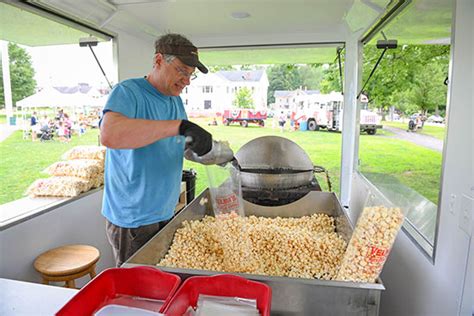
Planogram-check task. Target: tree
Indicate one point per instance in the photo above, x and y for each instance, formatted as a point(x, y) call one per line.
point(291, 77)
point(311, 76)
point(399, 70)
point(243, 99)
point(217, 68)
point(400, 77)
point(429, 91)
point(331, 79)
point(22, 74)
point(247, 67)
point(281, 77)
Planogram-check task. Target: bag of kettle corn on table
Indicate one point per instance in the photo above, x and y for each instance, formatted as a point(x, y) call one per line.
point(83, 168)
point(58, 187)
point(85, 152)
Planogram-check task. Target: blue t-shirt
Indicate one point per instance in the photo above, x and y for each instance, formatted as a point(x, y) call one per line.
point(142, 185)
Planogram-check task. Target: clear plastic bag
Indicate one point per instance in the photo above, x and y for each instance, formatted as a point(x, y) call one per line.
point(371, 242)
point(225, 190)
point(226, 197)
point(220, 305)
point(59, 187)
point(82, 168)
point(85, 152)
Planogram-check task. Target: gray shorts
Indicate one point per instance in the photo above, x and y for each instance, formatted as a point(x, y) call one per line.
point(126, 241)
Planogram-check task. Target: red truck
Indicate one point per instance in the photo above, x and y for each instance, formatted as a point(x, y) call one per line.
point(244, 117)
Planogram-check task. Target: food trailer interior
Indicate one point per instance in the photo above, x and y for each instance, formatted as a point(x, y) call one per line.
point(423, 276)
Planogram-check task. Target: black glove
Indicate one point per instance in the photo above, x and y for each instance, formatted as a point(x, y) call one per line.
point(200, 140)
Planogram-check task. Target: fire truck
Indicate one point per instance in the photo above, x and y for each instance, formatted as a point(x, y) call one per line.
point(244, 117)
point(328, 114)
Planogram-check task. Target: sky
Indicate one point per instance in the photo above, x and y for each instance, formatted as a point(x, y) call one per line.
point(68, 65)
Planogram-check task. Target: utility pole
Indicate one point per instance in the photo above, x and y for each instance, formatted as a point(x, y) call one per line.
point(7, 89)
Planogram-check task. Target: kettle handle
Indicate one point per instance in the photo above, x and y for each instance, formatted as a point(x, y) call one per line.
point(319, 169)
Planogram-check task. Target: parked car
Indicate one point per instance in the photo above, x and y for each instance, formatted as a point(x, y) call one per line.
point(436, 119)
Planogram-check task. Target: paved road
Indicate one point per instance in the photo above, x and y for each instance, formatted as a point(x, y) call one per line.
point(419, 139)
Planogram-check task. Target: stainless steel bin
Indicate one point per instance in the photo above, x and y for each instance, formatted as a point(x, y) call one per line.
point(290, 296)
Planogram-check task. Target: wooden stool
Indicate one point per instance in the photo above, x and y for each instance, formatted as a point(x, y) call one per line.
point(67, 263)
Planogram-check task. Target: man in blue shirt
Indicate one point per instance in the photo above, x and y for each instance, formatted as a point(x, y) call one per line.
point(144, 127)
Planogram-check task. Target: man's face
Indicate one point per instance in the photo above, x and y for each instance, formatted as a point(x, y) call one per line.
point(174, 77)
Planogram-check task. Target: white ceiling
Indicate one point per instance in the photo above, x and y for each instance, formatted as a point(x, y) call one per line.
point(210, 23)
point(207, 20)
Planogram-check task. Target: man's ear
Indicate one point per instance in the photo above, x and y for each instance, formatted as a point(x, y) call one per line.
point(158, 60)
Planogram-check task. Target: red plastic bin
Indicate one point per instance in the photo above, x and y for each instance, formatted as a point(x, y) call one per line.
point(221, 285)
point(146, 283)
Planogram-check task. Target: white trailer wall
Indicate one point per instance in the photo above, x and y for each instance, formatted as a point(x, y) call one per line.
point(77, 222)
point(134, 56)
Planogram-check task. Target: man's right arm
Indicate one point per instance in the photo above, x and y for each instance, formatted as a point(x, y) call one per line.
point(120, 132)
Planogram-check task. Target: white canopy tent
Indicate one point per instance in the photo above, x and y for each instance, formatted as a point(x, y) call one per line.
point(74, 103)
point(51, 97)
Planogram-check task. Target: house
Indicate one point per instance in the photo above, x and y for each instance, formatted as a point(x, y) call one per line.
point(215, 92)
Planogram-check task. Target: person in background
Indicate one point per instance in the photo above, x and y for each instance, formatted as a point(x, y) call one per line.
point(35, 126)
point(62, 131)
point(419, 122)
point(33, 119)
point(44, 122)
point(79, 127)
point(67, 125)
point(75, 129)
point(99, 114)
point(423, 120)
point(82, 128)
point(43, 126)
point(282, 121)
point(55, 124)
point(213, 122)
point(145, 129)
point(292, 121)
point(60, 114)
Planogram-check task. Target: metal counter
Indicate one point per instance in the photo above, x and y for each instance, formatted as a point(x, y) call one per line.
point(290, 296)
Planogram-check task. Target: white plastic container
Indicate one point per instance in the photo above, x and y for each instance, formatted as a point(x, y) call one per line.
point(120, 310)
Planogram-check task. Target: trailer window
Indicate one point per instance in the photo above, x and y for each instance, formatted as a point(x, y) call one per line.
point(408, 93)
point(47, 72)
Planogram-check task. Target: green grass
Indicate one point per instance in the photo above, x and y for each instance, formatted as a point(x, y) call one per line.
point(419, 168)
point(415, 166)
point(22, 161)
point(434, 131)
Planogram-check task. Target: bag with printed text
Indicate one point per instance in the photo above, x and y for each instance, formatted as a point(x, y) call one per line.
point(371, 242)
